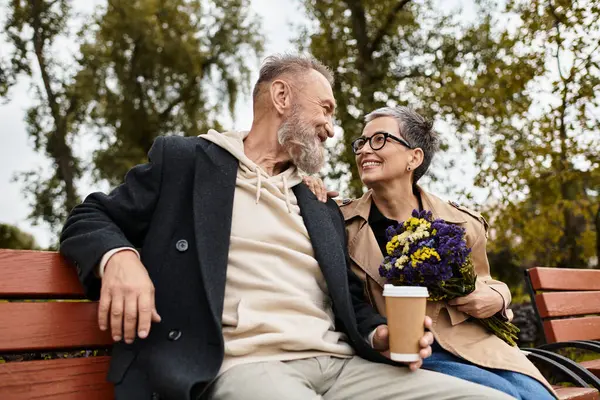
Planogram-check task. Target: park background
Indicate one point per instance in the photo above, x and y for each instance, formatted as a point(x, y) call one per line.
point(85, 87)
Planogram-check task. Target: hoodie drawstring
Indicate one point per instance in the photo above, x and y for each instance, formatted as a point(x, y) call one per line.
point(258, 183)
point(286, 192)
point(286, 189)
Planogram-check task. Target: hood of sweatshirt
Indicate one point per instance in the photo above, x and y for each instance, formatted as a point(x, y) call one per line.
point(249, 172)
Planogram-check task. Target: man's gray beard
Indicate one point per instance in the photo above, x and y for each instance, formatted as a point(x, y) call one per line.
point(299, 140)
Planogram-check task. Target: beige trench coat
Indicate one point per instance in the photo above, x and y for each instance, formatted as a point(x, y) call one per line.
point(451, 328)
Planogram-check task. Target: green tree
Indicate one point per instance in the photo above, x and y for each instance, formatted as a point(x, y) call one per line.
point(545, 166)
point(144, 68)
point(161, 68)
point(12, 237)
point(31, 29)
point(390, 52)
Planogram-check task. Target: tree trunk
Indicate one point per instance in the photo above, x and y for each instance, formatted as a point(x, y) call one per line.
point(597, 224)
point(57, 147)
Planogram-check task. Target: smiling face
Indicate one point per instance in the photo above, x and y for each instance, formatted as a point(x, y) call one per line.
point(309, 123)
point(388, 163)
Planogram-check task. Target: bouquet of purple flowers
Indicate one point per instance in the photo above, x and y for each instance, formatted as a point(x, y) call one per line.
point(433, 253)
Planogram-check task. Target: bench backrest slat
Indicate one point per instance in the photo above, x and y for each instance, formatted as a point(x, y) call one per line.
point(61, 379)
point(42, 309)
point(562, 330)
point(567, 300)
point(564, 279)
point(45, 326)
point(37, 274)
point(563, 304)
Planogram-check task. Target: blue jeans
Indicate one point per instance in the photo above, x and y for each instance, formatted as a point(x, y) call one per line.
point(519, 386)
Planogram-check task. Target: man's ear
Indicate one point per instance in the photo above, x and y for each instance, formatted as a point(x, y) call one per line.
point(281, 95)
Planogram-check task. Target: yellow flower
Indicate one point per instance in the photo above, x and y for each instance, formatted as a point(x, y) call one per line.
point(423, 254)
point(391, 245)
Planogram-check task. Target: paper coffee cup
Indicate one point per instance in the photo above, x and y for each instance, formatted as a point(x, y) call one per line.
point(405, 307)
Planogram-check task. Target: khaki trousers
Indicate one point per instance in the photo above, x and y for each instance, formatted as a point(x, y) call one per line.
point(333, 378)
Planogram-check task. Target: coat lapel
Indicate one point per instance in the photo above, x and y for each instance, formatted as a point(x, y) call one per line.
point(326, 242)
point(364, 251)
point(214, 188)
point(363, 248)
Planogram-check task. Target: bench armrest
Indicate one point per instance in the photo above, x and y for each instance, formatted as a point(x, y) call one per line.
point(590, 345)
point(582, 373)
point(565, 373)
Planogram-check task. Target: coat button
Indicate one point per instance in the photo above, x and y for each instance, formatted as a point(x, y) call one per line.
point(181, 245)
point(174, 335)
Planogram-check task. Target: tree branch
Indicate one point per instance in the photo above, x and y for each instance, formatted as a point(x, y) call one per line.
point(185, 91)
point(387, 25)
point(414, 73)
point(359, 26)
point(38, 45)
point(557, 22)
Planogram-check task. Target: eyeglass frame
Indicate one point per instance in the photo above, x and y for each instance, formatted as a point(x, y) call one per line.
point(386, 136)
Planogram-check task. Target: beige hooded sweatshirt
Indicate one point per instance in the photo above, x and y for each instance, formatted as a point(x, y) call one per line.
point(277, 305)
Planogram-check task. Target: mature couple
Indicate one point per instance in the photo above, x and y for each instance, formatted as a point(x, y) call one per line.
point(222, 276)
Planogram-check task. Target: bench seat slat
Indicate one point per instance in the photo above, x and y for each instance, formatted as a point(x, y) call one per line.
point(561, 304)
point(561, 279)
point(45, 326)
point(593, 366)
point(39, 274)
point(63, 379)
point(576, 393)
point(563, 330)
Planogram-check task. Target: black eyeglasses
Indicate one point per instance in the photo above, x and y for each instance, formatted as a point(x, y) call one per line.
point(377, 141)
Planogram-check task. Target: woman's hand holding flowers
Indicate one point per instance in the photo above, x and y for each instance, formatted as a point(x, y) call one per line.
point(483, 302)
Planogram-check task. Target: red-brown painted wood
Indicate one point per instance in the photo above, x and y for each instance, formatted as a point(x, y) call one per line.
point(576, 393)
point(564, 279)
point(47, 274)
point(63, 379)
point(563, 304)
point(55, 325)
point(561, 330)
point(593, 366)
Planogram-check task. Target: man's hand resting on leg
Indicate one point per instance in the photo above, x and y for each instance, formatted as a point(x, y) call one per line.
point(126, 298)
point(381, 342)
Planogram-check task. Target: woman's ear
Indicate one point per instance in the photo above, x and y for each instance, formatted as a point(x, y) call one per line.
point(416, 158)
point(281, 96)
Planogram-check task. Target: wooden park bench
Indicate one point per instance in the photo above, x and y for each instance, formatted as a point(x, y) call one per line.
point(67, 323)
point(567, 305)
point(30, 326)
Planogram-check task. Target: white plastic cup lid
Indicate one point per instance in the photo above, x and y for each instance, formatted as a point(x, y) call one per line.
point(405, 291)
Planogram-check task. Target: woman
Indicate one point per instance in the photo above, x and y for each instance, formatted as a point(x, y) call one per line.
point(393, 153)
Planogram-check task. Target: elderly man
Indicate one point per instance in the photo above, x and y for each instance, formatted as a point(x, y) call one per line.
point(245, 267)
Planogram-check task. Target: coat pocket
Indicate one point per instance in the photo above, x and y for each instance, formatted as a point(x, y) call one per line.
point(121, 360)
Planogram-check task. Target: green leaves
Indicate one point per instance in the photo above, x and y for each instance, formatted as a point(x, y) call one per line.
point(549, 178)
point(12, 237)
point(144, 68)
point(408, 53)
point(153, 64)
point(519, 86)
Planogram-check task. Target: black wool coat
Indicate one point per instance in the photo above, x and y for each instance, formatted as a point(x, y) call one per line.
point(177, 210)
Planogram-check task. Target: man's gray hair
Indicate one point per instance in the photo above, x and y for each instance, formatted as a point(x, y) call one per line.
point(415, 129)
point(276, 65)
